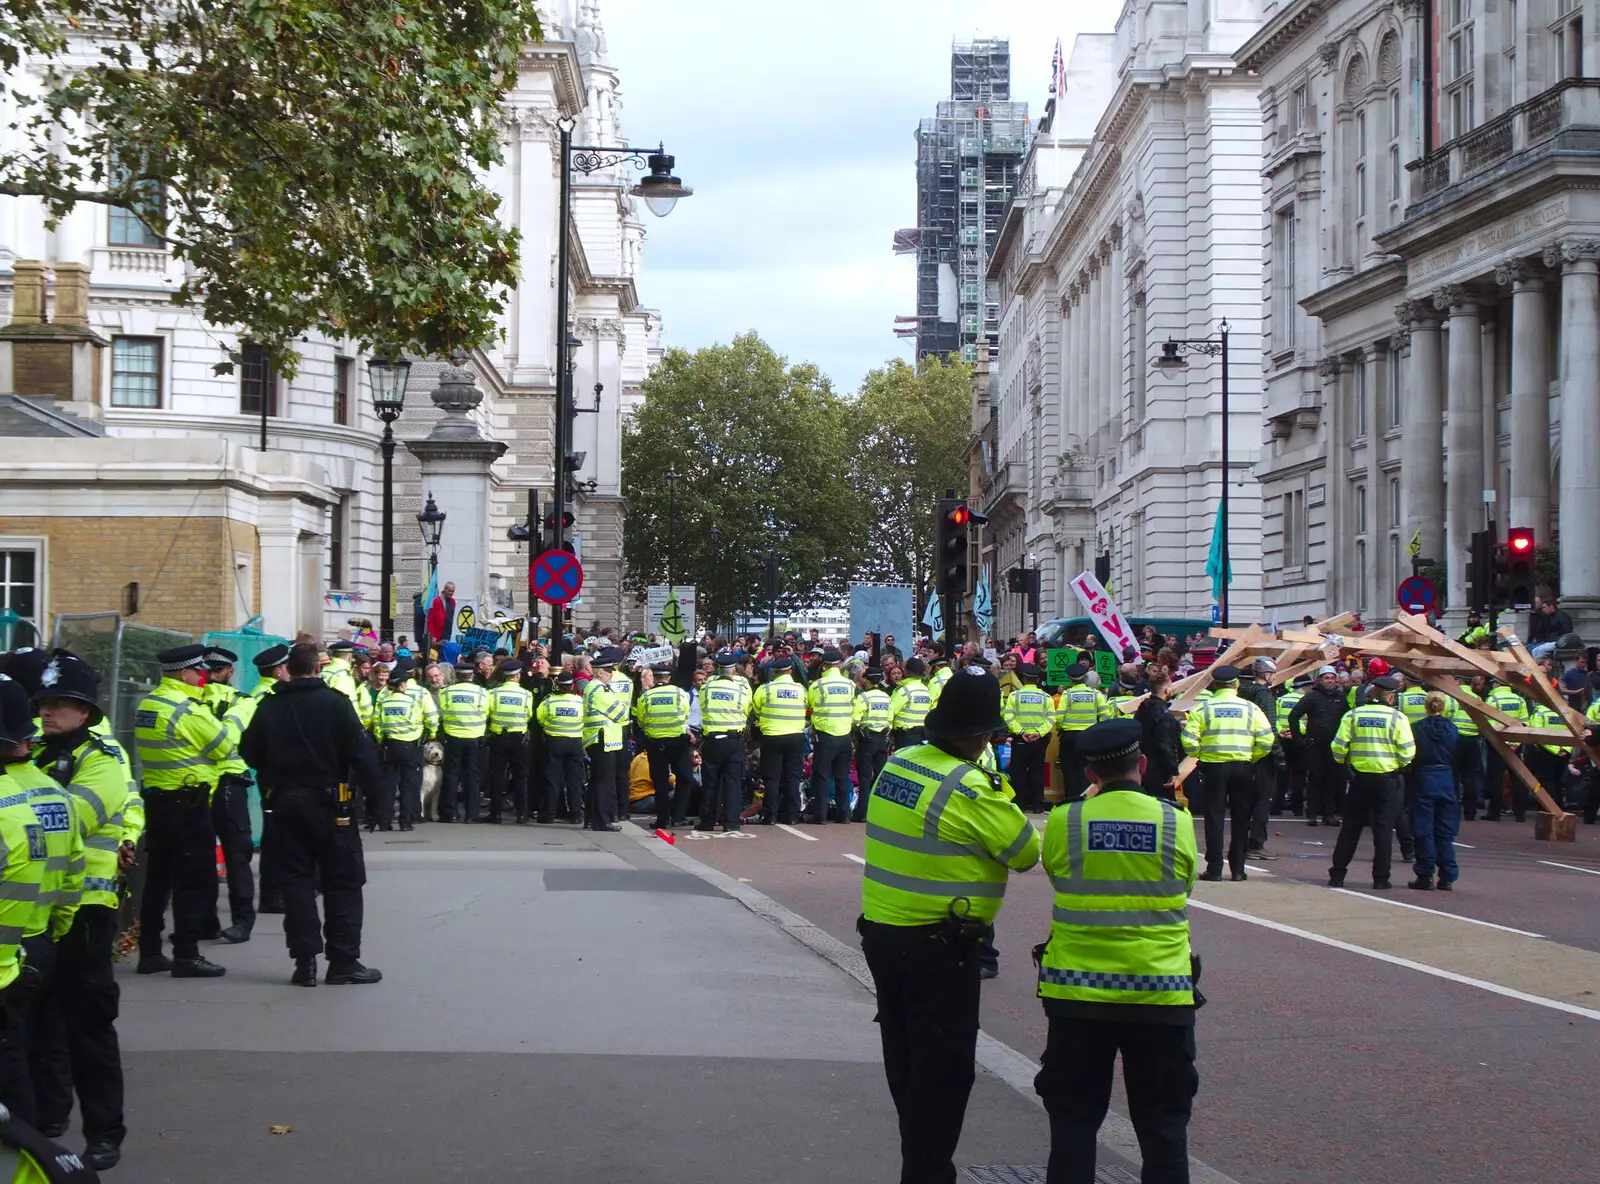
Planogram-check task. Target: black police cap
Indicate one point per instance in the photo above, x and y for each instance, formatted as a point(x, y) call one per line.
point(271, 658)
point(1109, 740)
point(16, 712)
point(968, 706)
point(1385, 683)
point(1077, 672)
point(182, 657)
point(1224, 674)
point(217, 657)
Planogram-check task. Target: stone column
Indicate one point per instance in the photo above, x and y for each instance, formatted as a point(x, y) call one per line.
point(455, 473)
point(1339, 530)
point(1530, 398)
point(1580, 433)
point(1093, 401)
point(1078, 413)
point(1422, 431)
point(1464, 514)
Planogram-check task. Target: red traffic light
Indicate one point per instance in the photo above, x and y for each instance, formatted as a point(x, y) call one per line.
point(960, 516)
point(1520, 540)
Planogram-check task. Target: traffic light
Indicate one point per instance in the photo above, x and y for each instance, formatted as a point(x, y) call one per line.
point(1102, 568)
point(951, 520)
point(1519, 567)
point(567, 519)
point(1480, 575)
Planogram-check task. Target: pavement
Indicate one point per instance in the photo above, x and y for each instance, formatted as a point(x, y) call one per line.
point(557, 1005)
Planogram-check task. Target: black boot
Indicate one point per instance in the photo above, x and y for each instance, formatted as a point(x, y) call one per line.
point(1423, 883)
point(352, 974)
point(235, 934)
point(197, 967)
point(271, 903)
point(102, 1155)
point(305, 972)
point(154, 964)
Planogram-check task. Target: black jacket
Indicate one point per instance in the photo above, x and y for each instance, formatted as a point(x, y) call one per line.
point(306, 734)
point(1263, 696)
point(1322, 710)
point(1160, 739)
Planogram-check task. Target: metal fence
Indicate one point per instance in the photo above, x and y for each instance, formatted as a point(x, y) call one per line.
point(125, 655)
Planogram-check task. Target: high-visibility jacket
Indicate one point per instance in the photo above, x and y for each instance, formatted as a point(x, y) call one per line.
point(561, 715)
point(1507, 701)
point(1374, 739)
point(663, 712)
point(939, 830)
point(338, 675)
point(1541, 716)
point(24, 855)
point(1227, 728)
point(1080, 707)
point(779, 706)
point(605, 715)
point(397, 715)
point(96, 773)
point(1413, 704)
point(1028, 709)
point(220, 697)
point(63, 831)
point(1280, 713)
point(430, 708)
point(909, 704)
point(366, 703)
point(510, 708)
point(1123, 864)
point(133, 810)
point(725, 703)
point(180, 743)
point(936, 684)
point(1457, 715)
point(237, 719)
point(832, 699)
point(463, 711)
point(622, 687)
point(873, 710)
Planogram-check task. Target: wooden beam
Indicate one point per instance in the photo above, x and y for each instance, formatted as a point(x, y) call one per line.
point(1541, 686)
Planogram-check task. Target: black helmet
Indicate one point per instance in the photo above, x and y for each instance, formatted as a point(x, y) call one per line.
point(68, 677)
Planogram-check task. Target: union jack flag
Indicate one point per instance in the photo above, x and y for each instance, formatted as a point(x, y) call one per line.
point(1058, 75)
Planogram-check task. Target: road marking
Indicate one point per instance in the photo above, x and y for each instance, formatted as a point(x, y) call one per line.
point(1589, 871)
point(797, 833)
point(857, 858)
point(1468, 846)
point(1393, 960)
point(1401, 904)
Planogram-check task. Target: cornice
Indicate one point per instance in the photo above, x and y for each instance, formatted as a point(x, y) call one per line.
point(1278, 34)
point(560, 58)
point(1365, 287)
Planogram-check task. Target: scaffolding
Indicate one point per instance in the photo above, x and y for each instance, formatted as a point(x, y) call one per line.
point(968, 159)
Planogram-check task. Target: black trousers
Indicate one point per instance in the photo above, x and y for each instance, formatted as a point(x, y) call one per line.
point(1548, 769)
point(872, 753)
point(602, 794)
point(782, 760)
point(271, 876)
point(906, 737)
point(316, 841)
point(722, 780)
point(74, 1038)
point(830, 774)
point(402, 781)
point(1372, 801)
point(672, 774)
point(180, 846)
point(928, 993)
point(1073, 778)
point(1266, 775)
point(1298, 754)
point(621, 763)
point(1325, 782)
point(1028, 758)
point(1228, 786)
point(1493, 783)
point(460, 776)
point(563, 776)
point(1075, 1084)
point(18, 1002)
point(230, 817)
point(508, 770)
point(1469, 774)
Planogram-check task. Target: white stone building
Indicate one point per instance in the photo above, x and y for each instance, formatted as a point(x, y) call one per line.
point(1141, 223)
point(150, 376)
point(1429, 290)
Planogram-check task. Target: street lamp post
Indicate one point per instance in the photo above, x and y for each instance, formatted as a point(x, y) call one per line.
point(431, 522)
point(672, 524)
point(1171, 360)
point(660, 191)
point(389, 374)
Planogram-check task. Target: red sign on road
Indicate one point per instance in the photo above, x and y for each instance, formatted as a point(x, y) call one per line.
point(556, 577)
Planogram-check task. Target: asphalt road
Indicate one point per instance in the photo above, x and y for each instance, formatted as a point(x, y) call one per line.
point(1350, 1037)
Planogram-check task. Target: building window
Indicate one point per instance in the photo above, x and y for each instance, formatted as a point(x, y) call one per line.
point(1361, 577)
point(125, 227)
point(1361, 509)
point(344, 370)
point(1393, 401)
point(1396, 169)
point(1394, 501)
point(339, 516)
point(1283, 280)
point(1567, 33)
point(1299, 110)
point(258, 385)
point(1294, 530)
point(136, 371)
point(1358, 398)
point(20, 572)
point(1395, 569)
point(1458, 66)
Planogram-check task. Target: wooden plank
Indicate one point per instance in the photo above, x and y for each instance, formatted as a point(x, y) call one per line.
point(1514, 763)
point(1542, 688)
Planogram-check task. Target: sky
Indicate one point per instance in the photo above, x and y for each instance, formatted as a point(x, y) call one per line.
point(794, 124)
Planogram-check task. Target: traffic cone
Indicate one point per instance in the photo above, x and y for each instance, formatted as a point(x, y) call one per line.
point(222, 864)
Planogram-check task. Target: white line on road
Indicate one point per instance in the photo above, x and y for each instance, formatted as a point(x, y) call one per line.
point(857, 858)
point(1468, 846)
point(1482, 985)
point(799, 834)
point(1401, 904)
point(1570, 867)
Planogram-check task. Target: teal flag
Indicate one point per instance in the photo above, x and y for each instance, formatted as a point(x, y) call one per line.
point(982, 604)
point(1214, 562)
point(933, 615)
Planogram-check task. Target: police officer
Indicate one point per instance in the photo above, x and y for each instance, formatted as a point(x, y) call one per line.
point(74, 1039)
point(230, 804)
point(309, 748)
point(510, 712)
point(725, 703)
point(1376, 742)
point(273, 666)
point(220, 693)
point(181, 745)
point(1469, 754)
point(1317, 717)
point(605, 718)
point(663, 715)
point(561, 720)
point(1030, 720)
point(400, 724)
point(1116, 975)
point(1228, 735)
point(873, 711)
point(909, 705)
point(942, 839)
point(832, 701)
point(339, 673)
point(463, 721)
point(1292, 787)
point(779, 709)
point(1509, 701)
point(942, 672)
point(1078, 708)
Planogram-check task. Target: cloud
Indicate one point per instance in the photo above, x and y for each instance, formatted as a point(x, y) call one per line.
point(795, 126)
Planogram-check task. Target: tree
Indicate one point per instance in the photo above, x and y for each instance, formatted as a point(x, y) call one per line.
point(911, 430)
point(317, 163)
point(761, 450)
